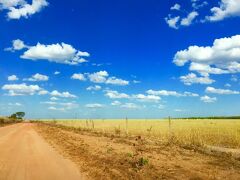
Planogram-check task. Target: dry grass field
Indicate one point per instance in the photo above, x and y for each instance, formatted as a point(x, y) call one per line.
point(146, 149)
point(223, 132)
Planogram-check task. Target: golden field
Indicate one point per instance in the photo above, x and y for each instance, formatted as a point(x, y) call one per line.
point(221, 132)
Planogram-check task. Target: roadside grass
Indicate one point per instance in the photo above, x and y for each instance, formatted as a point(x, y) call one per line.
point(5, 121)
point(220, 132)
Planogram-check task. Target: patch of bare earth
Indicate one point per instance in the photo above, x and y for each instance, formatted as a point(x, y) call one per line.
point(112, 157)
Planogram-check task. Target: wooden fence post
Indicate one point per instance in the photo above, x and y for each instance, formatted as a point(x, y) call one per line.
point(126, 125)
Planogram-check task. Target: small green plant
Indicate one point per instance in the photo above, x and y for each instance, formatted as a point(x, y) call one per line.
point(129, 155)
point(142, 161)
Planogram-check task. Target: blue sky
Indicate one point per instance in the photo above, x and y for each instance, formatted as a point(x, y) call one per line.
point(112, 59)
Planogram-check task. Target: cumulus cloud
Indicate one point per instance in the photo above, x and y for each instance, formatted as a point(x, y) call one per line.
point(176, 7)
point(54, 99)
point(12, 78)
point(20, 8)
point(56, 109)
point(43, 92)
point(146, 98)
point(15, 104)
point(116, 81)
point(220, 58)
point(37, 77)
point(130, 106)
point(17, 45)
point(172, 21)
point(116, 95)
point(101, 77)
point(59, 53)
point(176, 22)
point(140, 97)
point(196, 4)
point(116, 103)
point(226, 8)
point(94, 106)
point(208, 99)
point(194, 79)
point(60, 105)
point(21, 89)
point(213, 90)
point(56, 72)
point(98, 77)
point(171, 93)
point(94, 88)
point(79, 76)
point(62, 94)
point(187, 21)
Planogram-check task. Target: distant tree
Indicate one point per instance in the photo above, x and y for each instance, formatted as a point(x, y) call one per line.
point(13, 116)
point(20, 115)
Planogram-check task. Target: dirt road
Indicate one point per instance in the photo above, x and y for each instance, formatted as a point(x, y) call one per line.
point(24, 155)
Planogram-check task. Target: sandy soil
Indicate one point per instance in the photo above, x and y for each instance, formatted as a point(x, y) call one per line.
point(24, 155)
point(112, 157)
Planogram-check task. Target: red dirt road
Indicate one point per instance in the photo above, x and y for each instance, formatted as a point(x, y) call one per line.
point(24, 155)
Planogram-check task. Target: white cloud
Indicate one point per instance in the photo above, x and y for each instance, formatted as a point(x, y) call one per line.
point(37, 77)
point(116, 103)
point(130, 106)
point(94, 106)
point(21, 89)
point(189, 19)
point(172, 21)
point(196, 4)
point(15, 104)
point(116, 95)
point(16, 45)
point(179, 110)
point(5, 4)
point(12, 78)
point(94, 88)
point(116, 81)
point(234, 78)
point(227, 8)
point(98, 77)
point(136, 81)
point(63, 94)
point(208, 99)
point(78, 76)
point(43, 92)
point(176, 7)
point(177, 21)
point(192, 78)
point(221, 58)
point(56, 109)
point(220, 91)
point(26, 10)
point(171, 93)
point(54, 99)
point(59, 53)
point(56, 72)
point(146, 98)
point(227, 85)
point(61, 105)
point(101, 77)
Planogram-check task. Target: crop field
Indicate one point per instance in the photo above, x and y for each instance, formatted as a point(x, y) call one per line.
point(221, 132)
